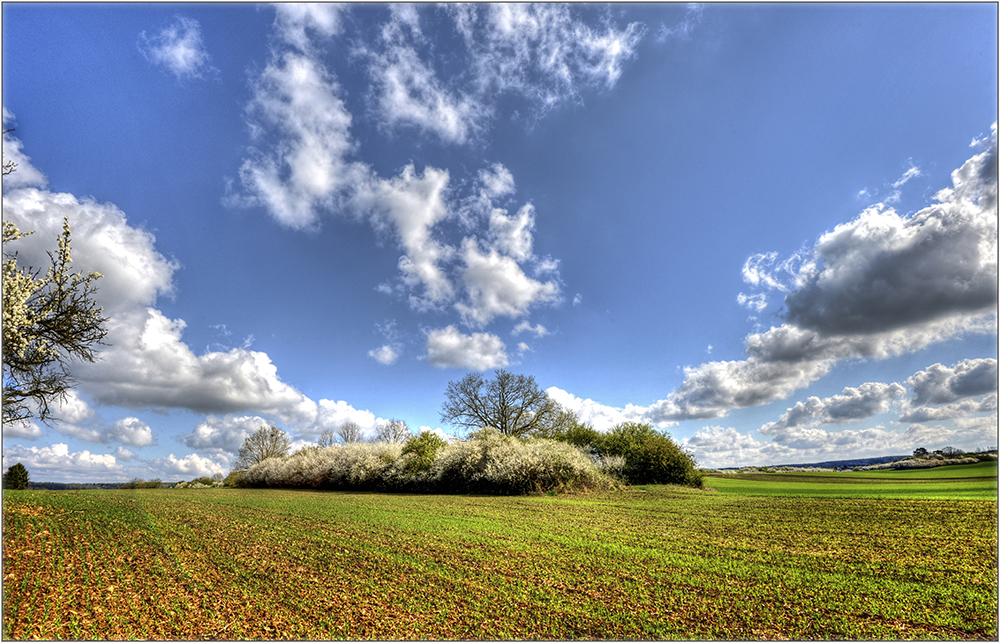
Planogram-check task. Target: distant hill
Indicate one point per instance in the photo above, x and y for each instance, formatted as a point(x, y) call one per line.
point(838, 464)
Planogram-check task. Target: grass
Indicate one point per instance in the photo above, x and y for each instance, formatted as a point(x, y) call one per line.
point(655, 563)
point(961, 482)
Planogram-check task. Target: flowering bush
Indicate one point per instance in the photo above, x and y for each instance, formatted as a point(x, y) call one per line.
point(485, 463)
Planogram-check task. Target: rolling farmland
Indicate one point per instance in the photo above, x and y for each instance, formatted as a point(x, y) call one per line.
point(651, 563)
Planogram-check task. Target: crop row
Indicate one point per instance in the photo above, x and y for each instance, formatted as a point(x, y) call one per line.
point(654, 564)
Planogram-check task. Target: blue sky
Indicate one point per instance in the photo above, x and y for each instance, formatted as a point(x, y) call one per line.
point(768, 229)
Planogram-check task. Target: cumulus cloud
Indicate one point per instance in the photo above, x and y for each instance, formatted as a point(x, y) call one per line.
point(55, 463)
point(385, 354)
point(123, 454)
point(942, 392)
point(497, 286)
point(23, 430)
point(190, 466)
point(294, 22)
point(179, 48)
point(543, 52)
point(718, 446)
point(546, 54)
point(146, 363)
point(940, 384)
point(961, 410)
point(409, 91)
point(879, 286)
point(867, 400)
point(884, 271)
point(131, 431)
point(601, 416)
point(305, 174)
point(409, 206)
point(450, 348)
point(220, 438)
point(25, 174)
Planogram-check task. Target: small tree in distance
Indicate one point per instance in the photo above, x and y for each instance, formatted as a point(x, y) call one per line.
point(266, 442)
point(326, 439)
point(393, 432)
point(512, 404)
point(350, 433)
point(16, 477)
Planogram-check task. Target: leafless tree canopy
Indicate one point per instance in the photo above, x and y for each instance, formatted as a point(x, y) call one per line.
point(350, 433)
point(393, 432)
point(511, 404)
point(266, 442)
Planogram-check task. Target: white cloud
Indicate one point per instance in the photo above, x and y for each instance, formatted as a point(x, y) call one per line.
point(22, 430)
point(682, 30)
point(55, 462)
point(525, 327)
point(913, 171)
point(304, 175)
point(542, 51)
point(221, 437)
point(25, 174)
point(178, 48)
point(135, 273)
point(384, 354)
point(123, 454)
point(940, 384)
point(497, 286)
point(878, 286)
point(867, 400)
point(294, 21)
point(756, 303)
point(716, 446)
point(513, 235)
point(960, 410)
point(409, 93)
point(72, 408)
point(131, 431)
point(600, 416)
point(449, 348)
point(497, 181)
point(190, 466)
point(409, 206)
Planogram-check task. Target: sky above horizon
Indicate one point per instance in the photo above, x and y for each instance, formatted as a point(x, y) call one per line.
point(770, 230)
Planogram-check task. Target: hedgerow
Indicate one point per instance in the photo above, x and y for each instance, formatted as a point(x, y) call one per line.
point(486, 462)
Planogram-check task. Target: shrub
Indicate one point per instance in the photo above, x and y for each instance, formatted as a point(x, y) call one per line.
point(651, 457)
point(486, 463)
point(422, 449)
point(234, 479)
point(489, 462)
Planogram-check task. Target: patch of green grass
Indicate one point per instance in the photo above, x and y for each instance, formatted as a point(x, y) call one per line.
point(961, 482)
point(656, 563)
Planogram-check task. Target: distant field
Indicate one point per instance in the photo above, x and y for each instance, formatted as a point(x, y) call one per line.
point(960, 482)
point(658, 563)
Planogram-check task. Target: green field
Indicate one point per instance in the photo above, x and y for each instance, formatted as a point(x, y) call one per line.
point(653, 563)
point(962, 482)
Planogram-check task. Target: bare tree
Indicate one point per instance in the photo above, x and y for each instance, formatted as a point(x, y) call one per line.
point(393, 432)
point(326, 439)
point(511, 404)
point(266, 442)
point(350, 433)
